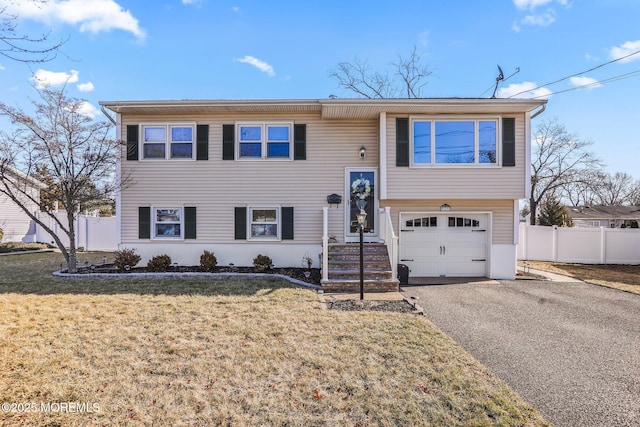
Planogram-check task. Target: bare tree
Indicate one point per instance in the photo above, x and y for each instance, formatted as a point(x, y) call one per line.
point(22, 47)
point(634, 194)
point(583, 191)
point(406, 81)
point(76, 152)
point(616, 190)
point(559, 159)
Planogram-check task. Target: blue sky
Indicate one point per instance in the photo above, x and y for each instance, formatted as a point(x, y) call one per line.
point(206, 49)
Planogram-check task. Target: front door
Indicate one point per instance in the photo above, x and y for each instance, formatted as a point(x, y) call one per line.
point(361, 191)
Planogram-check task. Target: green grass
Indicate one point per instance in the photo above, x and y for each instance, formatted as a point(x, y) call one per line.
point(232, 351)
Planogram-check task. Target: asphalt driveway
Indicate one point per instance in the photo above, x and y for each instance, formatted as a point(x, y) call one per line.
point(572, 350)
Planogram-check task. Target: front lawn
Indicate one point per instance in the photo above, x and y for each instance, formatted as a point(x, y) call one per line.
point(8, 247)
point(623, 277)
point(232, 351)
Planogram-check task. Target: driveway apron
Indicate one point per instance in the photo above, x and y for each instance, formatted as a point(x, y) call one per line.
point(572, 350)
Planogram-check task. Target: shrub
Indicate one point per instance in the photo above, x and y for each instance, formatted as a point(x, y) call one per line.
point(1, 234)
point(125, 257)
point(262, 262)
point(159, 263)
point(208, 261)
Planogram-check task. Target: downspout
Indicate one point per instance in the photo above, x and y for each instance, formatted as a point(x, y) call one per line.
point(104, 111)
point(540, 111)
point(382, 156)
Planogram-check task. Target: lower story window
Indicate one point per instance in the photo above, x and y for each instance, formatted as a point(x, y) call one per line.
point(167, 223)
point(264, 223)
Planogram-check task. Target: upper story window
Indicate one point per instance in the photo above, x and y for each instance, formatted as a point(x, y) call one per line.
point(264, 141)
point(168, 141)
point(454, 142)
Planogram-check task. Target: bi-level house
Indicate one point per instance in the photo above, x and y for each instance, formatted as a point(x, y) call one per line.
point(440, 179)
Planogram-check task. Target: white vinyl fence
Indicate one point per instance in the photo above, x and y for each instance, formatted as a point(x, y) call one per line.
point(579, 245)
point(92, 233)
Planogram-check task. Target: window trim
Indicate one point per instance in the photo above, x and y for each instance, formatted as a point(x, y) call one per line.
point(277, 222)
point(154, 222)
point(168, 142)
point(476, 119)
point(264, 140)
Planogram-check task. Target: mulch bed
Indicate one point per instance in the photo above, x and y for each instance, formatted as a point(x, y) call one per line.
point(306, 275)
point(401, 306)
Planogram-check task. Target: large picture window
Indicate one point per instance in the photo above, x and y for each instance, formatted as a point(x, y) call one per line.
point(167, 223)
point(264, 223)
point(168, 141)
point(264, 141)
point(454, 142)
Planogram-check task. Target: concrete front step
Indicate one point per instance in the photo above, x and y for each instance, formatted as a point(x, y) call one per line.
point(344, 268)
point(350, 248)
point(355, 275)
point(354, 285)
point(345, 256)
point(341, 264)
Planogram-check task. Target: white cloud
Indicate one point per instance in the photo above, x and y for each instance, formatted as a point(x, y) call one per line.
point(93, 16)
point(43, 78)
point(626, 48)
point(85, 87)
point(87, 109)
point(585, 81)
point(540, 20)
point(2, 68)
point(236, 9)
point(523, 90)
point(532, 4)
point(260, 65)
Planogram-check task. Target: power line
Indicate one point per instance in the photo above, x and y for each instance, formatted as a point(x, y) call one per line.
point(592, 84)
point(576, 74)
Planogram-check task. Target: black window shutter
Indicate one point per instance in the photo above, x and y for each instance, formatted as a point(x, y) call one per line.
point(508, 141)
point(300, 142)
point(287, 223)
point(132, 142)
point(241, 223)
point(202, 142)
point(189, 222)
point(228, 142)
point(402, 142)
point(144, 222)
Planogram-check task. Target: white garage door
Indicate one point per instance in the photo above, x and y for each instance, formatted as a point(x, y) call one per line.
point(436, 245)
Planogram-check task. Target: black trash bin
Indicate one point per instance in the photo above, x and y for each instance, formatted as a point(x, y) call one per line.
point(403, 274)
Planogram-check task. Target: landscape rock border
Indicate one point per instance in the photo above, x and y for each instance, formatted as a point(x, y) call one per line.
point(62, 273)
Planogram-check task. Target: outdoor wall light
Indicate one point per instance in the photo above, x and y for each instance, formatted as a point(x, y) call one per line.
point(445, 208)
point(362, 152)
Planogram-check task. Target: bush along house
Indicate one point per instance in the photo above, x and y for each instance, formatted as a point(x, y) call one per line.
point(439, 180)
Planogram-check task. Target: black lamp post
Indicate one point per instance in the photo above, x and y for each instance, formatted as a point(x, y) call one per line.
point(362, 217)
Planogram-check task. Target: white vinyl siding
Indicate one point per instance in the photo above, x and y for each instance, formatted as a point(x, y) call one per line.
point(456, 183)
point(501, 213)
point(216, 187)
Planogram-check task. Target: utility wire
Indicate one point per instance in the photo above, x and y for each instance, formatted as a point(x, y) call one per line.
point(592, 84)
point(576, 74)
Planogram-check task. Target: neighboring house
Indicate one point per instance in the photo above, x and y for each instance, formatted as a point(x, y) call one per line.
point(604, 216)
point(442, 179)
point(16, 225)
